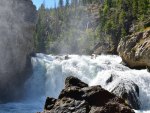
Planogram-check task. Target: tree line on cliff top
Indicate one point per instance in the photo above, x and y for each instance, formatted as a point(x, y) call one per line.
point(67, 28)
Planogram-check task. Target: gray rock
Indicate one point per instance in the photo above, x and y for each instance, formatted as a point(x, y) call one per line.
point(72, 81)
point(129, 91)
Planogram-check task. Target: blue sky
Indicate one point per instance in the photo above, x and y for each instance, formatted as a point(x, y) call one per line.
point(48, 3)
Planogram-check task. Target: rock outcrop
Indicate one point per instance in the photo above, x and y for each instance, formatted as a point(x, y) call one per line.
point(17, 22)
point(129, 91)
point(103, 48)
point(77, 97)
point(124, 88)
point(135, 50)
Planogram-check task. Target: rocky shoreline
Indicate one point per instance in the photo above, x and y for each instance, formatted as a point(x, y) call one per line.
point(78, 97)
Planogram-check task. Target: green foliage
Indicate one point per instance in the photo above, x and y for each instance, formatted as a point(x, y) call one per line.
point(66, 27)
point(117, 16)
point(135, 8)
point(61, 3)
point(67, 3)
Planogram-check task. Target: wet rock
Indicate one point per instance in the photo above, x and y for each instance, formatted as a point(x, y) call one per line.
point(50, 102)
point(68, 105)
point(72, 81)
point(84, 99)
point(111, 78)
point(91, 94)
point(72, 92)
point(148, 68)
point(129, 91)
point(66, 57)
point(111, 107)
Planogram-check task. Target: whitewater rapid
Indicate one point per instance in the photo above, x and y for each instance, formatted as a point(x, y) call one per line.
point(49, 73)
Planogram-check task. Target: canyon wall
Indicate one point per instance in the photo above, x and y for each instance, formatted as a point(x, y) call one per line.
point(135, 50)
point(17, 23)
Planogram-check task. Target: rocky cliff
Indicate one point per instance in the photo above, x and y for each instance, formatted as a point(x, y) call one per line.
point(77, 97)
point(135, 49)
point(17, 22)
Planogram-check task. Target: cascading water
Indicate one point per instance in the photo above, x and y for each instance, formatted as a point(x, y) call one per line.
point(50, 72)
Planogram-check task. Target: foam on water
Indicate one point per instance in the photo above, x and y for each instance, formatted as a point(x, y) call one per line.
point(92, 71)
point(50, 73)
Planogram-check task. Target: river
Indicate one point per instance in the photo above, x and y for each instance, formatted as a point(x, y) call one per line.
point(49, 73)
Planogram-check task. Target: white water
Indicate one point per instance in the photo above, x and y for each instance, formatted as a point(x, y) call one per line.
point(50, 73)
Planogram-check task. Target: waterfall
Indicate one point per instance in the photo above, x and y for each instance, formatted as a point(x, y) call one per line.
point(92, 71)
point(49, 73)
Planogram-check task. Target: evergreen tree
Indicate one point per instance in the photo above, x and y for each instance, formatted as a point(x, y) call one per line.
point(67, 3)
point(68, 23)
point(61, 3)
point(74, 2)
point(135, 8)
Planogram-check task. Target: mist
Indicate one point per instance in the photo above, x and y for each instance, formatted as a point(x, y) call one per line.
point(67, 29)
point(79, 37)
point(17, 21)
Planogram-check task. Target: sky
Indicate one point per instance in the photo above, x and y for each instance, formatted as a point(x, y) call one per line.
point(48, 3)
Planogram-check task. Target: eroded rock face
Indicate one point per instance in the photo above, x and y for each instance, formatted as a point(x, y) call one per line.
point(135, 50)
point(17, 22)
point(79, 98)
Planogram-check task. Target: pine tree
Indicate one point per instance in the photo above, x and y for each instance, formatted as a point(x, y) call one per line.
point(142, 6)
point(64, 23)
point(84, 2)
point(74, 2)
point(61, 3)
point(135, 7)
point(67, 3)
point(40, 39)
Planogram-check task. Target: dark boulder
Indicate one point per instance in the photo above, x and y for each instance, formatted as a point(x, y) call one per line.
point(84, 99)
point(67, 57)
point(49, 103)
point(72, 92)
point(72, 81)
point(91, 94)
point(68, 105)
point(148, 68)
point(111, 78)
